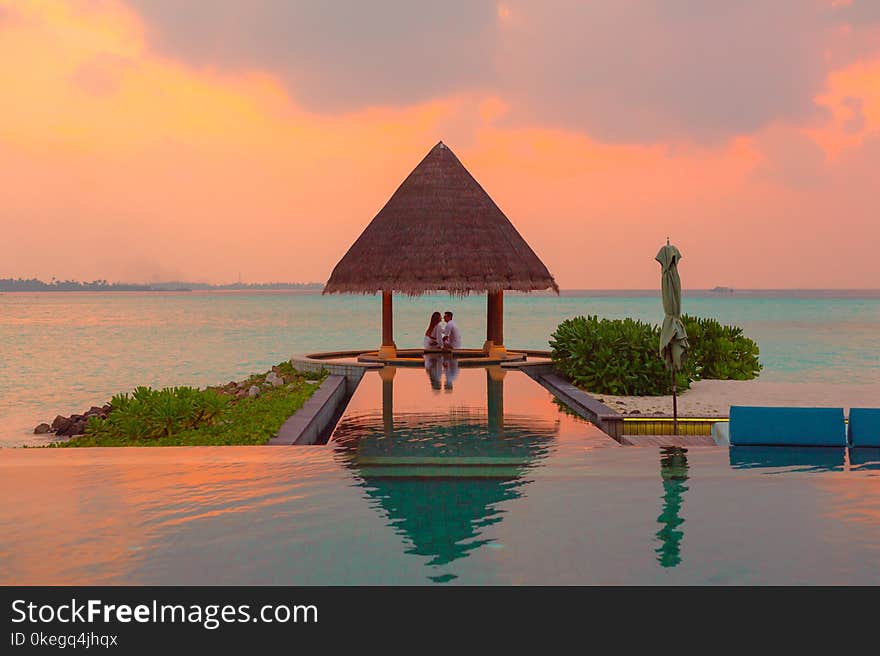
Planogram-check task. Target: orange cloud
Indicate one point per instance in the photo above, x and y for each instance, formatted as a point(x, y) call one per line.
point(852, 97)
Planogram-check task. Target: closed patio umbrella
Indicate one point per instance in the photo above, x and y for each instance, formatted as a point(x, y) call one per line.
point(673, 337)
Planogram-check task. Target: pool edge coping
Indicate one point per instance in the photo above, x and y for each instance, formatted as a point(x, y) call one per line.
point(324, 407)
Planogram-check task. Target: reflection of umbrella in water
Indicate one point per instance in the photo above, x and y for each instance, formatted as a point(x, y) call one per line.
point(674, 471)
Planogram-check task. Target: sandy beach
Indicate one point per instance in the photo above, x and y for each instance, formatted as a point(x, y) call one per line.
point(710, 398)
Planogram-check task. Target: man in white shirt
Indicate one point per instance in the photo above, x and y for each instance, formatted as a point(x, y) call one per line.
point(451, 335)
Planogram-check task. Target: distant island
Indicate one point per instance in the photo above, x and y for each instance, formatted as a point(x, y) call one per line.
point(35, 285)
point(720, 290)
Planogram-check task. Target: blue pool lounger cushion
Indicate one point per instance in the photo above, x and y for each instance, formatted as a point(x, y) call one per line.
point(761, 426)
point(864, 426)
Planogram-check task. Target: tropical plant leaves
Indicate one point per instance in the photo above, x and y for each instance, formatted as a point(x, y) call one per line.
point(149, 413)
point(621, 356)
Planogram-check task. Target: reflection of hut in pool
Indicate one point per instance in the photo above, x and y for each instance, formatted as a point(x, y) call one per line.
point(457, 444)
point(387, 376)
point(495, 398)
point(463, 442)
point(440, 478)
point(442, 518)
point(463, 428)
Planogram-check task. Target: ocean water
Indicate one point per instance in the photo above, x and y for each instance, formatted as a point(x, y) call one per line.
point(63, 352)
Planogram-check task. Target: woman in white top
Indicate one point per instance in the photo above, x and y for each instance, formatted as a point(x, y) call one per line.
point(434, 333)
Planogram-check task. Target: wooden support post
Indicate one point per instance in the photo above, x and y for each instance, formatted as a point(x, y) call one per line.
point(498, 337)
point(674, 404)
point(498, 349)
point(490, 322)
point(388, 348)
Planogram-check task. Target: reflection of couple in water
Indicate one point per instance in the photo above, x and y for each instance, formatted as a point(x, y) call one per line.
point(446, 338)
point(437, 365)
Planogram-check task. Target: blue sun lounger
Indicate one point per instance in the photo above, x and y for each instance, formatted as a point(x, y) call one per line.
point(864, 427)
point(763, 426)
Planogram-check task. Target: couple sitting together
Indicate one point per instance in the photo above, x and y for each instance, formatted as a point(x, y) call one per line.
point(442, 337)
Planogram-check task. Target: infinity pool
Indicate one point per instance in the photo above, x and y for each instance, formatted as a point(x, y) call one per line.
point(439, 476)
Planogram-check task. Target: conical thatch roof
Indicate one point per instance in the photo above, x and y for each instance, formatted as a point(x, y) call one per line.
point(439, 231)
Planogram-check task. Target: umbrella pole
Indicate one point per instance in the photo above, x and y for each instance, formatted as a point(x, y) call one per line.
point(674, 406)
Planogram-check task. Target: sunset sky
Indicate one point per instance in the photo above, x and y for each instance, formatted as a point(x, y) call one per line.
point(148, 140)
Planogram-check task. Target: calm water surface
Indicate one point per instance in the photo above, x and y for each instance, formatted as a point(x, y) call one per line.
point(63, 352)
point(443, 477)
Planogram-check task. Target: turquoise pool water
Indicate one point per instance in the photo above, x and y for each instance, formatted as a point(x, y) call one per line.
point(477, 480)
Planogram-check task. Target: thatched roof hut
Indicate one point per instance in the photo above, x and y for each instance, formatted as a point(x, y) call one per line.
point(440, 231)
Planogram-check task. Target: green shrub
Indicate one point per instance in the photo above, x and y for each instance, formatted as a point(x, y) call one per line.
point(612, 356)
point(720, 352)
point(621, 356)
